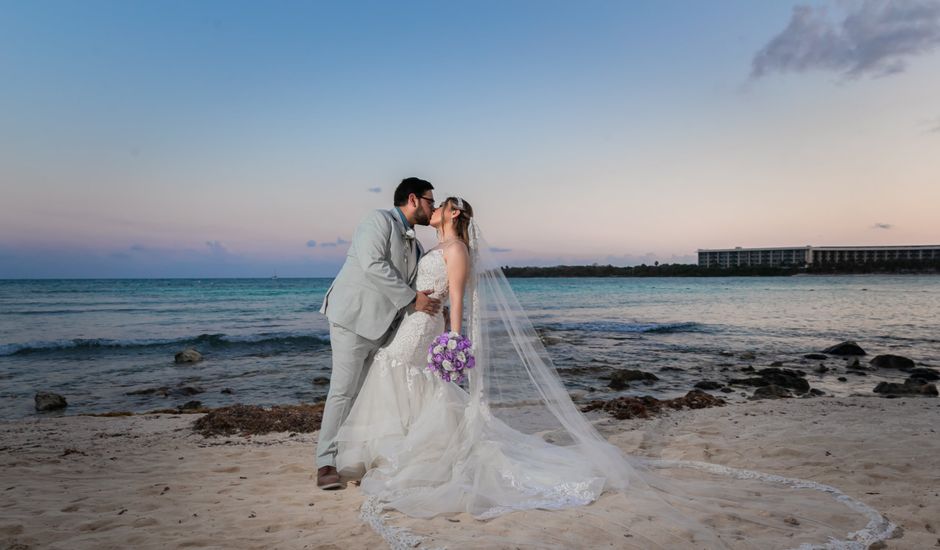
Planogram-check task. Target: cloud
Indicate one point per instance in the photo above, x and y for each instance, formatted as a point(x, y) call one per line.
point(374, 189)
point(338, 242)
point(311, 244)
point(882, 226)
point(497, 250)
point(875, 38)
point(216, 247)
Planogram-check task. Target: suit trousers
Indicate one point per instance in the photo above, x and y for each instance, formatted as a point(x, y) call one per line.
point(352, 356)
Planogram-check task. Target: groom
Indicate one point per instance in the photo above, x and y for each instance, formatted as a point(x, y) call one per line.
point(368, 296)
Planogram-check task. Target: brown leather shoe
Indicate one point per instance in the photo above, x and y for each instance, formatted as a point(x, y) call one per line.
point(327, 478)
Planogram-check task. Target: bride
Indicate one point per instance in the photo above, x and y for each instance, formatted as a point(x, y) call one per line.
point(511, 439)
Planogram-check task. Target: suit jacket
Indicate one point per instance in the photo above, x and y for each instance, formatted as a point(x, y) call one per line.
point(376, 283)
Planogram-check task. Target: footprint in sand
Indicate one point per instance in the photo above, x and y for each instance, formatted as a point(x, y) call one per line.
point(145, 522)
point(11, 530)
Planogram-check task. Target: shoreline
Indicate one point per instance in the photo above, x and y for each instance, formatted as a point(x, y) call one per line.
point(150, 481)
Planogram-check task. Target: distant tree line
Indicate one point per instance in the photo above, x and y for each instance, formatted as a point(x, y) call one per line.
point(693, 270)
point(886, 267)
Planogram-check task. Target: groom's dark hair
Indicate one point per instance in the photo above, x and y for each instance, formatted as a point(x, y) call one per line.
point(408, 186)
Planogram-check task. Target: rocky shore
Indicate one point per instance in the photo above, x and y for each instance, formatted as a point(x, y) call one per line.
point(243, 475)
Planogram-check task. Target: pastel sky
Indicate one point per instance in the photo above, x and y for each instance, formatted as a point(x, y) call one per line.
point(226, 139)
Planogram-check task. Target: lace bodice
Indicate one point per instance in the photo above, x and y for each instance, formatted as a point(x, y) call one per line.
point(432, 273)
point(409, 346)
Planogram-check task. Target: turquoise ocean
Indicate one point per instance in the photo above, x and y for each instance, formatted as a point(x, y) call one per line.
point(104, 344)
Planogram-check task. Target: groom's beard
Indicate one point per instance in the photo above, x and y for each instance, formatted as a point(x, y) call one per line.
point(421, 218)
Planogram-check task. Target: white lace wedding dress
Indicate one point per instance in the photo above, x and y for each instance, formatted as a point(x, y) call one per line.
point(400, 433)
point(426, 448)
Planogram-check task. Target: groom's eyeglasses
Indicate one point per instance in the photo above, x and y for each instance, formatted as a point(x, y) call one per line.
point(429, 199)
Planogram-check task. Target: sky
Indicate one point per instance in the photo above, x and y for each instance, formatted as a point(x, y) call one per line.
point(244, 139)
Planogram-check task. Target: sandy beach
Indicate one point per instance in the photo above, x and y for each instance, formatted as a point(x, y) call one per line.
point(149, 481)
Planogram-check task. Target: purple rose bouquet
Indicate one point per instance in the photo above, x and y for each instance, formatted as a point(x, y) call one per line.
point(449, 356)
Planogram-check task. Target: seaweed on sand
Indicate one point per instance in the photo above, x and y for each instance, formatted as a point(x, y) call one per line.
point(256, 420)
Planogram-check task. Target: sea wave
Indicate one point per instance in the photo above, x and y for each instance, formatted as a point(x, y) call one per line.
point(621, 327)
point(203, 341)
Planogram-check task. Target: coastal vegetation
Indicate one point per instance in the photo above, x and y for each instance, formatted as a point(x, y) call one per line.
point(694, 270)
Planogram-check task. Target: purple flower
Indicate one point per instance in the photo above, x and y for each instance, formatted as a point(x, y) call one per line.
point(458, 358)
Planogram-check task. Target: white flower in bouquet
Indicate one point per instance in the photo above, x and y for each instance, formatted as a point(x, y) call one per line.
point(454, 376)
point(430, 358)
point(438, 349)
point(462, 357)
point(447, 365)
point(452, 344)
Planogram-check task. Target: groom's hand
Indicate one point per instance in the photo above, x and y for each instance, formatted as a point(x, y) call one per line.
point(424, 302)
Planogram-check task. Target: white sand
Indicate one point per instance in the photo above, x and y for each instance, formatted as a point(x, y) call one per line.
point(149, 482)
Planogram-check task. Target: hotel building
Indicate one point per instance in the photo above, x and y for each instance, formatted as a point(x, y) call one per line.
point(809, 255)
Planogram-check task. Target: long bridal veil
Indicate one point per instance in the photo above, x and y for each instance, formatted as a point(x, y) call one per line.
point(521, 466)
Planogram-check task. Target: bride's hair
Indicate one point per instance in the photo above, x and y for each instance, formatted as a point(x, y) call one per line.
point(462, 221)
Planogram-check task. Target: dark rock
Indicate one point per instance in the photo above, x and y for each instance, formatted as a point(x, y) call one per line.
point(821, 369)
point(816, 393)
point(816, 356)
point(907, 388)
point(643, 407)
point(708, 385)
point(190, 405)
point(749, 382)
point(188, 355)
point(771, 392)
point(748, 356)
point(854, 365)
point(842, 379)
point(227, 391)
point(776, 370)
point(889, 361)
point(550, 340)
point(726, 389)
point(777, 364)
point(186, 391)
point(162, 391)
point(857, 372)
point(321, 381)
point(621, 379)
point(747, 369)
point(845, 348)
point(786, 378)
point(48, 401)
point(773, 376)
point(923, 373)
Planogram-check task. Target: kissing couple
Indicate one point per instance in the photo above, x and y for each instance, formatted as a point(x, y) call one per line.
point(507, 436)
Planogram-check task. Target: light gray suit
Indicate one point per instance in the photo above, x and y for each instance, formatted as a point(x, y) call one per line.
point(374, 286)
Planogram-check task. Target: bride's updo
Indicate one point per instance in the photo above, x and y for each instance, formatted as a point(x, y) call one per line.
point(461, 222)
